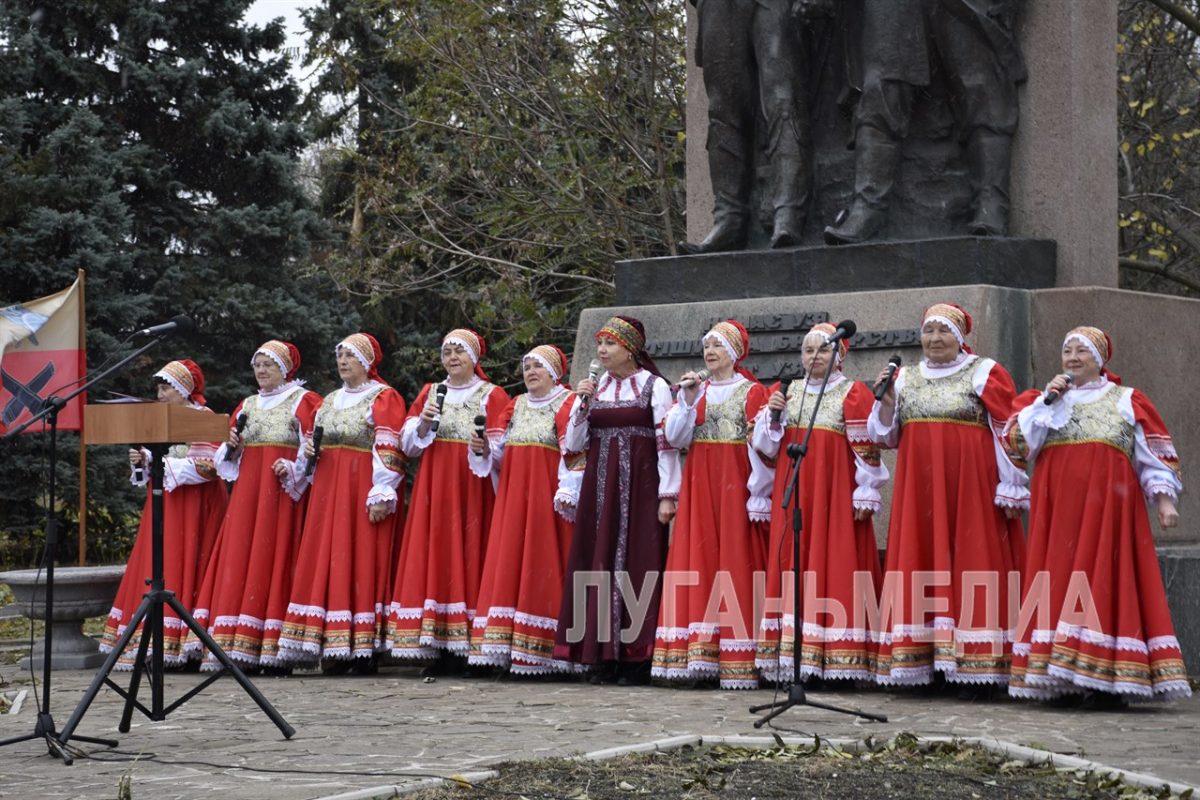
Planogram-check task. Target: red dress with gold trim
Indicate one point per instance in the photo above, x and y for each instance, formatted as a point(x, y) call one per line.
point(244, 596)
point(951, 553)
point(440, 563)
point(520, 591)
point(193, 507)
point(1099, 619)
point(841, 472)
point(706, 619)
point(338, 604)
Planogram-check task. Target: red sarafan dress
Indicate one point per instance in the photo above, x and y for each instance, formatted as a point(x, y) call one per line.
point(706, 620)
point(441, 560)
point(619, 547)
point(953, 557)
point(520, 591)
point(337, 608)
point(1098, 611)
point(244, 595)
point(194, 503)
point(841, 473)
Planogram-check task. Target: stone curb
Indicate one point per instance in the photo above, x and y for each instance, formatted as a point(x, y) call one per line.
point(1018, 752)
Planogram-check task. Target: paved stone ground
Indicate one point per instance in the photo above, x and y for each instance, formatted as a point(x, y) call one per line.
point(356, 732)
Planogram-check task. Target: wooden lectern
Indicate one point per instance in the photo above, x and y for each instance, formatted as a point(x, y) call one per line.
point(151, 423)
point(155, 425)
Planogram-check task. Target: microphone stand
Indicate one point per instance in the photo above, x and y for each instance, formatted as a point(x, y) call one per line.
point(44, 727)
point(791, 499)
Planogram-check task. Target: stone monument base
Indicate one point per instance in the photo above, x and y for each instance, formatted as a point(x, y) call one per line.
point(1015, 262)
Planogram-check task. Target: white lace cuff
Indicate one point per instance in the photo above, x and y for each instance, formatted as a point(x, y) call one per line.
point(1012, 495)
point(867, 498)
point(758, 509)
point(382, 494)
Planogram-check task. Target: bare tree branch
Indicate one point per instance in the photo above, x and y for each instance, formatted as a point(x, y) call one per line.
point(1179, 13)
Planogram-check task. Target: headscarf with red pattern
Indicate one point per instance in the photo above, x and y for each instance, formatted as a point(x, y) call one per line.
point(630, 333)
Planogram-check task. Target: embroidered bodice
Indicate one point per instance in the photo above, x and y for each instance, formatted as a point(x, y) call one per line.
point(950, 398)
point(725, 422)
point(348, 427)
point(830, 416)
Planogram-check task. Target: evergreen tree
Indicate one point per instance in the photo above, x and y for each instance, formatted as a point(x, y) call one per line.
point(156, 145)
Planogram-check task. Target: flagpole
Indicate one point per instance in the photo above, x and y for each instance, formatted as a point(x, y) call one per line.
point(82, 447)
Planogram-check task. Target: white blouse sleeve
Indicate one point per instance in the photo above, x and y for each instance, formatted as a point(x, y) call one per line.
point(669, 474)
point(566, 498)
point(767, 435)
point(385, 482)
point(1154, 476)
point(488, 464)
point(228, 469)
point(140, 475)
point(411, 442)
point(889, 435)
point(181, 472)
point(1037, 419)
point(760, 484)
point(681, 420)
point(577, 427)
point(869, 479)
point(296, 480)
point(1012, 491)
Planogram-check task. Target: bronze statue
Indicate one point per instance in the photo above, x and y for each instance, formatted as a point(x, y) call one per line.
point(904, 44)
point(755, 79)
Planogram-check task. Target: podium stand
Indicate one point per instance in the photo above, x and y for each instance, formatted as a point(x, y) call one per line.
point(155, 425)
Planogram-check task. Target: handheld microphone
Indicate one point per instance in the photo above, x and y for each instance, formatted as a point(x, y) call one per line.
point(593, 374)
point(701, 377)
point(893, 368)
point(241, 426)
point(1052, 396)
point(480, 426)
point(845, 329)
point(318, 434)
point(440, 398)
point(180, 324)
point(777, 413)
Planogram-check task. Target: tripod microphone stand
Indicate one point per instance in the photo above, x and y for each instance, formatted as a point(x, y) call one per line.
point(44, 728)
point(791, 501)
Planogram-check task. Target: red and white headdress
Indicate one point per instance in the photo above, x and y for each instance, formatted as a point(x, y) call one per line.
point(1098, 343)
point(553, 359)
point(365, 348)
point(185, 377)
point(954, 317)
point(827, 330)
point(473, 343)
point(734, 337)
point(285, 355)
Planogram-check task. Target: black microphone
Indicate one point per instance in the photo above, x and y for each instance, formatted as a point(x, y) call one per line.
point(777, 413)
point(318, 434)
point(701, 377)
point(593, 374)
point(893, 368)
point(845, 329)
point(241, 426)
point(480, 425)
point(1052, 396)
point(440, 398)
point(180, 324)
